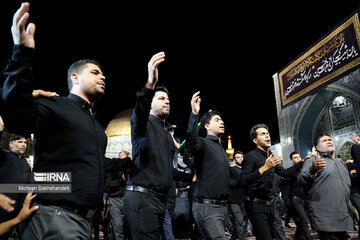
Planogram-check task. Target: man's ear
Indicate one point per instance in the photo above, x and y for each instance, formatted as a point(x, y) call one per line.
point(255, 141)
point(75, 78)
point(11, 144)
point(206, 125)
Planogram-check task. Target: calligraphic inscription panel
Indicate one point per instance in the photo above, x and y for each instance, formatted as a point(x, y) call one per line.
point(328, 59)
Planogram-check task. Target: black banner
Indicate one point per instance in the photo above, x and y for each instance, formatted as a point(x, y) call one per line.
point(323, 63)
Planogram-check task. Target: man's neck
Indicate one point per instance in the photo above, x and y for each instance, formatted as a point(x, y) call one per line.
point(88, 99)
point(162, 119)
point(331, 154)
point(19, 155)
point(212, 134)
point(264, 149)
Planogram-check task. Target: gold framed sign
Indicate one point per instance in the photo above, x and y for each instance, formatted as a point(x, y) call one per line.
point(328, 59)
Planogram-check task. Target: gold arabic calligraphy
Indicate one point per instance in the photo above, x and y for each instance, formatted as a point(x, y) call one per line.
point(319, 54)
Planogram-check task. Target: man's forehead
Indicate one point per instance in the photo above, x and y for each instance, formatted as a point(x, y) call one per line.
point(324, 138)
point(216, 116)
point(21, 139)
point(92, 66)
point(262, 130)
point(161, 94)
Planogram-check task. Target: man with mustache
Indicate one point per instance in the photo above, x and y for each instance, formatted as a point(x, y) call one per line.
point(13, 169)
point(328, 179)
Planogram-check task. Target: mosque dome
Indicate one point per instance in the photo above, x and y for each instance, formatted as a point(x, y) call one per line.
point(119, 134)
point(120, 124)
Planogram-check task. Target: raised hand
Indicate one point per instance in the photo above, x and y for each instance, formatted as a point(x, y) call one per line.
point(270, 163)
point(356, 138)
point(195, 103)
point(2, 125)
point(21, 35)
point(153, 69)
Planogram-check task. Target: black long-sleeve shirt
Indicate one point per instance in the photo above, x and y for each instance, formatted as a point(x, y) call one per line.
point(262, 188)
point(14, 169)
point(152, 147)
point(355, 178)
point(237, 192)
point(296, 188)
point(211, 163)
point(67, 137)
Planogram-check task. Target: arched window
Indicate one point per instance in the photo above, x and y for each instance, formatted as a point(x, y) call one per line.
point(342, 113)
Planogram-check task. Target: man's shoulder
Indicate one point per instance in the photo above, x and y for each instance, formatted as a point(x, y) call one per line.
point(51, 99)
point(253, 153)
point(254, 157)
point(235, 169)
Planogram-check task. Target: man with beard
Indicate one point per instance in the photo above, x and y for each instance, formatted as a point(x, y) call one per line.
point(329, 190)
point(68, 138)
point(153, 148)
point(13, 169)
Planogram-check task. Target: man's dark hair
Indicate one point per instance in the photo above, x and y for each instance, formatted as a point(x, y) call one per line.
point(317, 138)
point(238, 152)
point(77, 67)
point(293, 153)
point(205, 119)
point(253, 133)
point(162, 89)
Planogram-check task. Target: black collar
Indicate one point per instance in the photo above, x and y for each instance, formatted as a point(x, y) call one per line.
point(158, 120)
point(261, 151)
point(22, 155)
point(214, 138)
point(82, 102)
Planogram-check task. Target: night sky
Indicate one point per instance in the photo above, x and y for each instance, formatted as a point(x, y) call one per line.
point(228, 52)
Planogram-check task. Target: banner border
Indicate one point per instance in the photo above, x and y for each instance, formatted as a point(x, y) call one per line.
point(353, 20)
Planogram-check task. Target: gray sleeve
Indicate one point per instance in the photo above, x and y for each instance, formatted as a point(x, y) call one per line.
point(307, 173)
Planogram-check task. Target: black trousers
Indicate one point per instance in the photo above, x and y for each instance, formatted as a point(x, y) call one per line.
point(145, 214)
point(181, 218)
point(262, 219)
point(238, 215)
point(300, 218)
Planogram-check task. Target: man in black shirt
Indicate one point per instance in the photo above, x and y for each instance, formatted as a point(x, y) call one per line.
point(297, 198)
point(237, 197)
point(212, 185)
point(258, 204)
point(115, 187)
point(150, 177)
point(67, 137)
point(13, 169)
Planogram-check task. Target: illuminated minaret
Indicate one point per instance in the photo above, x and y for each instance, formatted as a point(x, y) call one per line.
point(230, 150)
